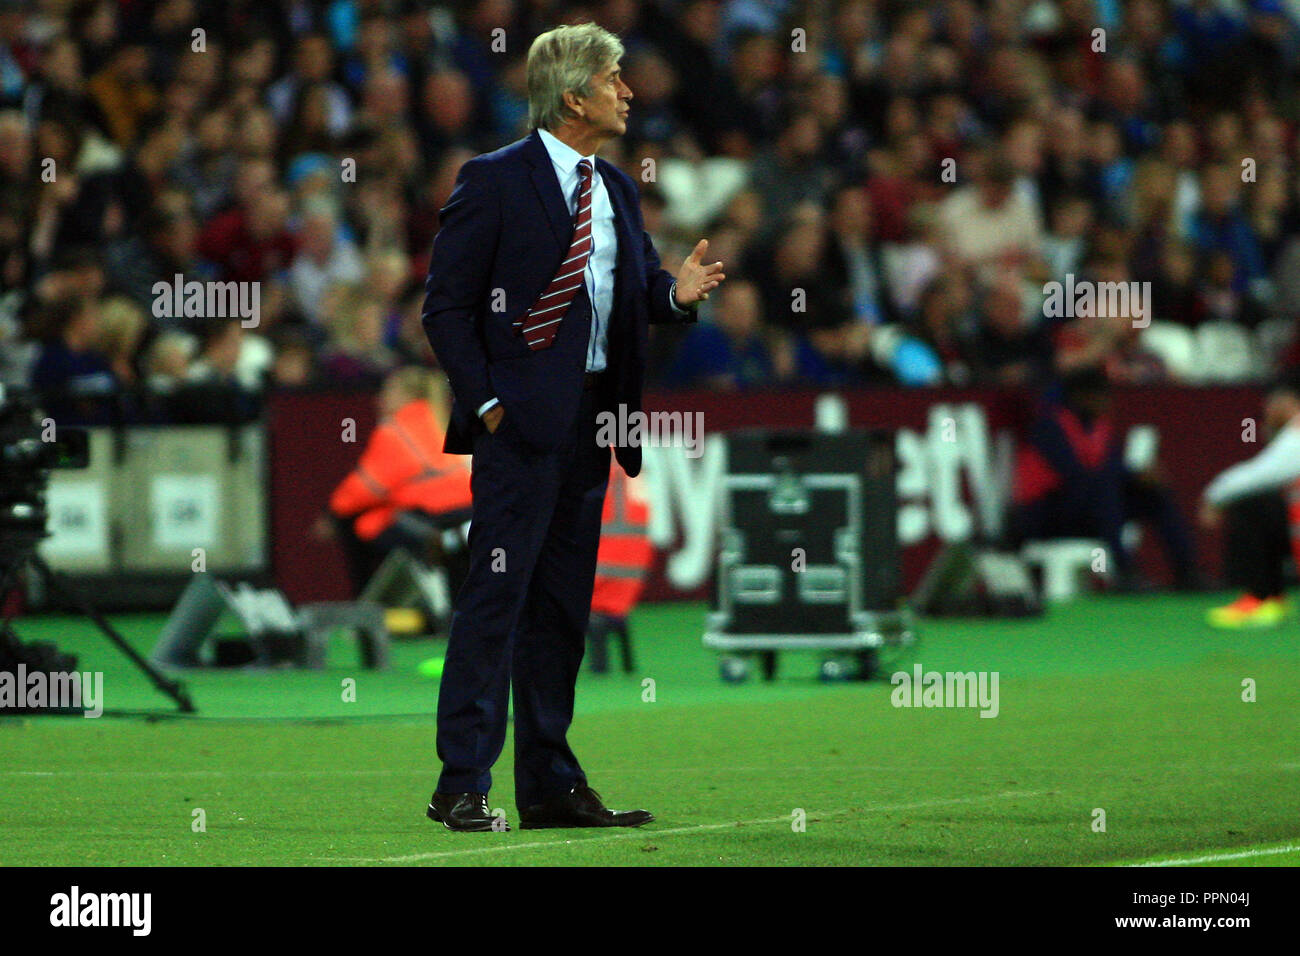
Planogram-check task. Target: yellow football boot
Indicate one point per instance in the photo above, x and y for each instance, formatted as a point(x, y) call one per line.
point(1249, 611)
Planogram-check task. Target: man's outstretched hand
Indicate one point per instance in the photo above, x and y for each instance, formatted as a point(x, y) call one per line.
point(696, 280)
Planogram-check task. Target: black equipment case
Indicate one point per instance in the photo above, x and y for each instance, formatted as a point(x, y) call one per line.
point(809, 555)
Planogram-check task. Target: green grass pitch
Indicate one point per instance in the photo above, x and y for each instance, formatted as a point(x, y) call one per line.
point(1128, 705)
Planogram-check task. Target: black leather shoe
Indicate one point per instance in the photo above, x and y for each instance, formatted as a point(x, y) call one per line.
point(580, 807)
point(464, 812)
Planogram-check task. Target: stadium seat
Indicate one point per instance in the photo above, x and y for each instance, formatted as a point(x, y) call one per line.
point(1062, 561)
point(1176, 347)
point(1225, 353)
point(1271, 338)
point(697, 192)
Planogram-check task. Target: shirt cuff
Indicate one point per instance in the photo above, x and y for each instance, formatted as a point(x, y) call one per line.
point(486, 405)
point(672, 300)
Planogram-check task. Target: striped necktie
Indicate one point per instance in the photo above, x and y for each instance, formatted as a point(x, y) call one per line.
point(543, 319)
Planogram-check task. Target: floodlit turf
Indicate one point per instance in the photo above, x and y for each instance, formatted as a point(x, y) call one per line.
point(1127, 705)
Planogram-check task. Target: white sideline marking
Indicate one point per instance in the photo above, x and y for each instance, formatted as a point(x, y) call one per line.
point(1217, 857)
point(420, 772)
point(388, 772)
point(213, 773)
point(698, 828)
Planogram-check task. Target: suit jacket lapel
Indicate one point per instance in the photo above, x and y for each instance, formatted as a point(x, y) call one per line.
point(548, 190)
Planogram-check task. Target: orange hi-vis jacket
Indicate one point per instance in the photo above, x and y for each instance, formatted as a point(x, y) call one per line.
point(625, 554)
point(402, 469)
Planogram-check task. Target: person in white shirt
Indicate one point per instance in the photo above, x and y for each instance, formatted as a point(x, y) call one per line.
point(1260, 498)
point(325, 258)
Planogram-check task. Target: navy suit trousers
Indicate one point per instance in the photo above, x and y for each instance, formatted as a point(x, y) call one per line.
point(521, 615)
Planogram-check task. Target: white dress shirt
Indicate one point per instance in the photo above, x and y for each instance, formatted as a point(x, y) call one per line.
point(604, 241)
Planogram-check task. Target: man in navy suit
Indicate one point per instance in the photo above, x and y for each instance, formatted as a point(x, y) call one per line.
point(541, 287)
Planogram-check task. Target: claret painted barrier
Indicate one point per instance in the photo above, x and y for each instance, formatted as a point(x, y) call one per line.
point(955, 449)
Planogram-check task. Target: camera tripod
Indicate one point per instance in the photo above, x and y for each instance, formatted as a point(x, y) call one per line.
point(10, 566)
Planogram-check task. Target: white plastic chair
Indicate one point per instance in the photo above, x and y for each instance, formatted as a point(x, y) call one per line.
point(1064, 561)
point(1225, 353)
point(1175, 345)
point(1272, 336)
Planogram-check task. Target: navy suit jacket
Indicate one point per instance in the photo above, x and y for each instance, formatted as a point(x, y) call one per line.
point(504, 232)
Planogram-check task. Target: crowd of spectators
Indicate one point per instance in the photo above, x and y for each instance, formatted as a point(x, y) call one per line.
point(900, 181)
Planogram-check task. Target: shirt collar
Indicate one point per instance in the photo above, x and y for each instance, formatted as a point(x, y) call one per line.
point(562, 154)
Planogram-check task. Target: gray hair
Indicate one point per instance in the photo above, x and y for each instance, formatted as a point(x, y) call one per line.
point(561, 61)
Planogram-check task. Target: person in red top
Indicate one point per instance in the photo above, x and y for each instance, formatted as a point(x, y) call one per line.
point(251, 242)
point(405, 491)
